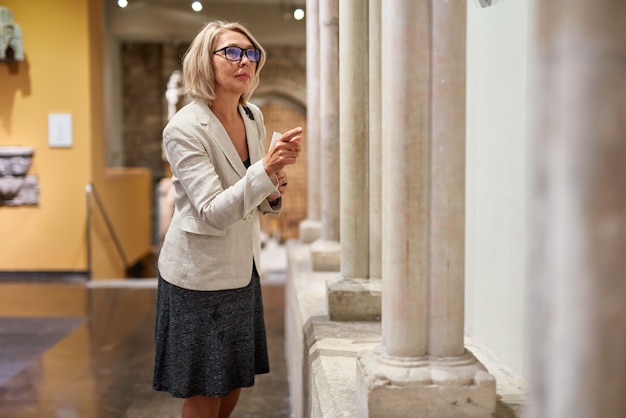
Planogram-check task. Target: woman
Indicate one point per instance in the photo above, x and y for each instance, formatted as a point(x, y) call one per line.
point(210, 331)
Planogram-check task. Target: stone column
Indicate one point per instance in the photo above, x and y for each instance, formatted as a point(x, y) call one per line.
point(422, 368)
point(577, 268)
point(375, 140)
point(446, 181)
point(350, 297)
point(325, 252)
point(310, 228)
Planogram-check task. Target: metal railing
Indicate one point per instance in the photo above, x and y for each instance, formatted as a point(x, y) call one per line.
point(90, 191)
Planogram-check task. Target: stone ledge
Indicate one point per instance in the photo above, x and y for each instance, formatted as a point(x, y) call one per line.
point(322, 354)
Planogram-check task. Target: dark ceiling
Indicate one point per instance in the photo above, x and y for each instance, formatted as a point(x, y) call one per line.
point(175, 21)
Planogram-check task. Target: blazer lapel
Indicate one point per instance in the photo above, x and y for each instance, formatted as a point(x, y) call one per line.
point(218, 133)
point(252, 136)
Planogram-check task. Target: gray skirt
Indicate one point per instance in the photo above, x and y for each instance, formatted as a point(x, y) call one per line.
point(209, 342)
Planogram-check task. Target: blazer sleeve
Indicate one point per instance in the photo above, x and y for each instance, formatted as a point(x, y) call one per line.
point(265, 208)
point(200, 175)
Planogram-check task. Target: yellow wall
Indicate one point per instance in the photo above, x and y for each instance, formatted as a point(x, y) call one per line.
point(62, 73)
point(126, 195)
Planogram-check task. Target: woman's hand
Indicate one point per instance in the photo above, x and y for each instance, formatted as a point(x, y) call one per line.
point(285, 151)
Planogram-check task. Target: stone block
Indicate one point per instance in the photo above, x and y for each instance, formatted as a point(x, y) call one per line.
point(354, 299)
point(325, 255)
point(310, 231)
point(427, 388)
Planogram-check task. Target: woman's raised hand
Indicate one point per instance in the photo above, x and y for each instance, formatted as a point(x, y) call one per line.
point(285, 151)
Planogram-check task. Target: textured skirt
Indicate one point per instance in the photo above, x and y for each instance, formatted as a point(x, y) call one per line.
point(209, 342)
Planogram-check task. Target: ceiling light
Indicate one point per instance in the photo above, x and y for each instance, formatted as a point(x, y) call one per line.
point(122, 3)
point(298, 14)
point(196, 6)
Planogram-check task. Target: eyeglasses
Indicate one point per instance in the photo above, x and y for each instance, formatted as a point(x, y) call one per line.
point(234, 53)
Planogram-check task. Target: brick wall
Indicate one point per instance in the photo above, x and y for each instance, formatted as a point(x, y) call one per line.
point(146, 68)
point(280, 117)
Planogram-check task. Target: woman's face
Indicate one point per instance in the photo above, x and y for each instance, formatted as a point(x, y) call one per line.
point(233, 77)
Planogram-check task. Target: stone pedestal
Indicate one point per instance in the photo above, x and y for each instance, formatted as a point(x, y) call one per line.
point(354, 299)
point(310, 230)
point(451, 387)
point(325, 255)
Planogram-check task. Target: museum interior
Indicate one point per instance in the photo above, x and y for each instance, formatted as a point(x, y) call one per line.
point(451, 244)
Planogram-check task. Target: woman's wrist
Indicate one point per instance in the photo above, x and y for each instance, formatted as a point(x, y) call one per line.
point(275, 202)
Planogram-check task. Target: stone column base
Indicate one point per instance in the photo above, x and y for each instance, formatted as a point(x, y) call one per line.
point(354, 299)
point(451, 387)
point(310, 231)
point(325, 255)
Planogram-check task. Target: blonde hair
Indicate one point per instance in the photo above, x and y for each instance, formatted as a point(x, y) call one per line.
point(198, 73)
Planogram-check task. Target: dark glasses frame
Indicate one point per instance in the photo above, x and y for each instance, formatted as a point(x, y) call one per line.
point(234, 53)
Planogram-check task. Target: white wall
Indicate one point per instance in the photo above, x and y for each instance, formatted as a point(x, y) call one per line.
point(497, 50)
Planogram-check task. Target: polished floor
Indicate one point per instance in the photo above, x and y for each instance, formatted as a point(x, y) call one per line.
point(85, 350)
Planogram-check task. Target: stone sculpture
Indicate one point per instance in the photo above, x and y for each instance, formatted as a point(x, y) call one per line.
point(174, 93)
point(16, 186)
point(11, 48)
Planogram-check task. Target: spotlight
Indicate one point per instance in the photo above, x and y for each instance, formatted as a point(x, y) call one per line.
point(298, 14)
point(196, 6)
point(122, 3)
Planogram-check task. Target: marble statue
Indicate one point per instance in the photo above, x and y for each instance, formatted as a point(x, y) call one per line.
point(174, 93)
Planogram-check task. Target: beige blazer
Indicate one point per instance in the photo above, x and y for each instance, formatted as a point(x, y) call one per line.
point(214, 234)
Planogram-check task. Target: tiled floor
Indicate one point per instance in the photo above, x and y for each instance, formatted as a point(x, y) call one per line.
point(81, 350)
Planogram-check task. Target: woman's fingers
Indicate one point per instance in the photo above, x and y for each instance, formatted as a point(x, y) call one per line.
point(291, 134)
point(285, 151)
